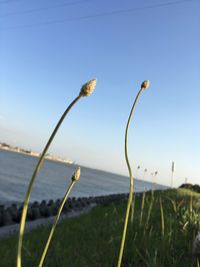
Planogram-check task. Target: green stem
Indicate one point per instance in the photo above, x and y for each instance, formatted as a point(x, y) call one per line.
point(55, 223)
point(162, 219)
point(131, 182)
point(27, 197)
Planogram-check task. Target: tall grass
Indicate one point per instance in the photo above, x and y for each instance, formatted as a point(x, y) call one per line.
point(163, 231)
point(92, 239)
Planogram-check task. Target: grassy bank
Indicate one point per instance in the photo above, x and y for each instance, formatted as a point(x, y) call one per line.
point(161, 235)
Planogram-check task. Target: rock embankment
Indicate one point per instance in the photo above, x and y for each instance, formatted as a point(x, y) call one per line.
point(12, 214)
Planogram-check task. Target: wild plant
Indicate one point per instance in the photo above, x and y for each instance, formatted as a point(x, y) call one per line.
point(144, 86)
point(86, 90)
point(74, 179)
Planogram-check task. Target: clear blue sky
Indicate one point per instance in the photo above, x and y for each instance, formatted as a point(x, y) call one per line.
point(48, 49)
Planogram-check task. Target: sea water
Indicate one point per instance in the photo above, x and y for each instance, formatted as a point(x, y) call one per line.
point(53, 179)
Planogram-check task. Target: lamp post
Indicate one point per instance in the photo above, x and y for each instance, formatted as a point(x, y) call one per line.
point(172, 175)
point(136, 175)
point(145, 170)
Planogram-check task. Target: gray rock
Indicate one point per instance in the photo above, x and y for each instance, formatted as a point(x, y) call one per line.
point(7, 218)
point(1, 219)
point(196, 246)
point(47, 211)
point(35, 213)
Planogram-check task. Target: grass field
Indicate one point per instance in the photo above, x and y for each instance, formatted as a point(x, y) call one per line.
point(160, 235)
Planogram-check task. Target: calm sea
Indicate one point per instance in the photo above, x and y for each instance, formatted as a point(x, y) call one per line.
point(54, 177)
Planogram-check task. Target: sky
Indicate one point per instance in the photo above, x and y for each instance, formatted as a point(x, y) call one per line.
point(49, 49)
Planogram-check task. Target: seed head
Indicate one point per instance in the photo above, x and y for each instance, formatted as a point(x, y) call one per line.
point(77, 174)
point(145, 84)
point(88, 88)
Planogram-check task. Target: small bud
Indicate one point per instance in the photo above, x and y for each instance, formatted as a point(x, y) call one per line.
point(76, 174)
point(145, 84)
point(88, 88)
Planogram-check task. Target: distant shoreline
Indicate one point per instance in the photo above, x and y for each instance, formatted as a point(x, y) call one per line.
point(6, 147)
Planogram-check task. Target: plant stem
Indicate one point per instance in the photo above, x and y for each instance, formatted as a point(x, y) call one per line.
point(27, 197)
point(162, 219)
point(142, 207)
point(131, 182)
point(55, 223)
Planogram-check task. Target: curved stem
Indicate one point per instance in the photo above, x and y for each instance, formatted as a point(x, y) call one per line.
point(27, 197)
point(131, 182)
point(55, 223)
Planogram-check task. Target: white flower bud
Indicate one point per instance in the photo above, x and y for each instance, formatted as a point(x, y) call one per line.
point(145, 84)
point(88, 88)
point(77, 174)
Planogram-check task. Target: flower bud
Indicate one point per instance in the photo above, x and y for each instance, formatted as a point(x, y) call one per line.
point(145, 84)
point(88, 88)
point(77, 174)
